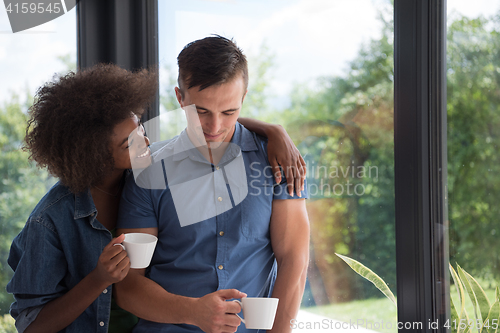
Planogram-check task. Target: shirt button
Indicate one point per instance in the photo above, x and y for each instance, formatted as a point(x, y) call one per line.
point(105, 291)
point(101, 324)
point(219, 198)
point(221, 233)
point(217, 168)
point(221, 267)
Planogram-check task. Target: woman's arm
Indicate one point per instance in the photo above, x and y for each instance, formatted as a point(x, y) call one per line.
point(282, 152)
point(112, 267)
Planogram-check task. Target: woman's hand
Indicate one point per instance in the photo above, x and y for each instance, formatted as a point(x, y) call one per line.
point(282, 152)
point(113, 264)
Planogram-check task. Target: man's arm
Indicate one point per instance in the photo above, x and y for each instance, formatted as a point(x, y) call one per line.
point(281, 151)
point(290, 242)
point(148, 300)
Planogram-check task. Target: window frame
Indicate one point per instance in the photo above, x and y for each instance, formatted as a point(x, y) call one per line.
point(421, 163)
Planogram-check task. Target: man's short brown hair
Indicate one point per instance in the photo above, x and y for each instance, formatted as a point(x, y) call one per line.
point(211, 61)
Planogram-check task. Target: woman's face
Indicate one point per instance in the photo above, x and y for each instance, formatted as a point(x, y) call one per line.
point(129, 145)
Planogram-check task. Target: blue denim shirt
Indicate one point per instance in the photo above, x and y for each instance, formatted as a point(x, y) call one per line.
point(224, 241)
point(59, 245)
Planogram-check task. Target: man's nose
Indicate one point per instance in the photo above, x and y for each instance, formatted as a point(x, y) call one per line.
point(214, 125)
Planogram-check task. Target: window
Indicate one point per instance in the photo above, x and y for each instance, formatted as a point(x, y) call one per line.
point(27, 60)
point(473, 72)
point(333, 92)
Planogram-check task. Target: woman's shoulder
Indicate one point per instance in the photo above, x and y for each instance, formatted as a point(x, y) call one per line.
point(56, 201)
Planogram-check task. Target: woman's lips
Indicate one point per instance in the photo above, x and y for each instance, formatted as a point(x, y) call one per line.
point(146, 153)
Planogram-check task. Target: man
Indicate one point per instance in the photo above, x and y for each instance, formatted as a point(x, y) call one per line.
point(225, 228)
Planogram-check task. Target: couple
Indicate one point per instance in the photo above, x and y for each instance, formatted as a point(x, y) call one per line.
point(86, 130)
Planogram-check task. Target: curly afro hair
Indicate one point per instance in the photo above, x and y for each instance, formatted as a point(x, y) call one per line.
point(72, 121)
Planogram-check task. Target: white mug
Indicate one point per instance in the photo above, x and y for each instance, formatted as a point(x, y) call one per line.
point(140, 248)
point(258, 312)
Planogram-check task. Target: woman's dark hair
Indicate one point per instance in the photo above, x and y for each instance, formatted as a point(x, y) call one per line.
point(211, 61)
point(73, 117)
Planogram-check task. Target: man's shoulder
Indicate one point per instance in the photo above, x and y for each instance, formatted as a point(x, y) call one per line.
point(251, 141)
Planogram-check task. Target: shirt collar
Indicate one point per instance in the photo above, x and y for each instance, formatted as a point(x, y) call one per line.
point(84, 205)
point(242, 140)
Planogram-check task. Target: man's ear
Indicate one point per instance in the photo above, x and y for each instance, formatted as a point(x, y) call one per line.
point(178, 94)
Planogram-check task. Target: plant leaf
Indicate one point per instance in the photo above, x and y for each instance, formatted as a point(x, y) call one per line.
point(370, 276)
point(470, 291)
point(482, 299)
point(460, 289)
point(493, 314)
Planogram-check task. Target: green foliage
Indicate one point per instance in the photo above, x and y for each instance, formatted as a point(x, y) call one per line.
point(370, 276)
point(7, 324)
point(486, 315)
point(348, 122)
point(21, 184)
point(473, 52)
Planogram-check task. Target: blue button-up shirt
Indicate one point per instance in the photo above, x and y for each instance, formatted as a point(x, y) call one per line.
point(59, 245)
point(213, 220)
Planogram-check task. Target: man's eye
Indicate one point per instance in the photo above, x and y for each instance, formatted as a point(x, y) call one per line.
point(229, 113)
point(202, 112)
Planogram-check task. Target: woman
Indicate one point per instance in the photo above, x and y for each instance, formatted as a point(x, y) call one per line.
point(64, 260)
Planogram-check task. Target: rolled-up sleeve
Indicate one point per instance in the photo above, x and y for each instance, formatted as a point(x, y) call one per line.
point(39, 267)
point(280, 191)
point(26, 317)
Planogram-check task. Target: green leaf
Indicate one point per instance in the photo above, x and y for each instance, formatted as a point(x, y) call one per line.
point(493, 317)
point(370, 276)
point(461, 294)
point(454, 315)
point(471, 293)
point(482, 299)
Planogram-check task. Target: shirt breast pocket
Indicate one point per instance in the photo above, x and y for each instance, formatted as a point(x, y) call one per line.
point(256, 209)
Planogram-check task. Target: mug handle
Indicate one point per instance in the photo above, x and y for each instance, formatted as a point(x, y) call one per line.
point(123, 247)
point(237, 315)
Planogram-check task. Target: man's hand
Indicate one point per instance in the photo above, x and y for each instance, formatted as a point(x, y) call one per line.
point(214, 314)
point(282, 151)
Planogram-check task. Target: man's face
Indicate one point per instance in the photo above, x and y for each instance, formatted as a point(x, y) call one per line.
point(218, 108)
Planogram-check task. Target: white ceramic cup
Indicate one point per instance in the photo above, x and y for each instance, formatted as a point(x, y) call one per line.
point(258, 312)
point(140, 248)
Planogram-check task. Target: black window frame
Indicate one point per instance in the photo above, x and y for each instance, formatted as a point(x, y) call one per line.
point(125, 32)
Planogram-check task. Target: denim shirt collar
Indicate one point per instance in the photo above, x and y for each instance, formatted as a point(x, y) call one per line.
point(84, 204)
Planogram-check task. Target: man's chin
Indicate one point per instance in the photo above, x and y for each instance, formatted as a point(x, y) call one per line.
point(214, 144)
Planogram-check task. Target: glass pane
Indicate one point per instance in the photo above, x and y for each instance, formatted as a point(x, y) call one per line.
point(473, 62)
point(27, 60)
point(323, 70)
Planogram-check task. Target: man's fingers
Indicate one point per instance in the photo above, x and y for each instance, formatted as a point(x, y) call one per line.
point(231, 293)
point(233, 307)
